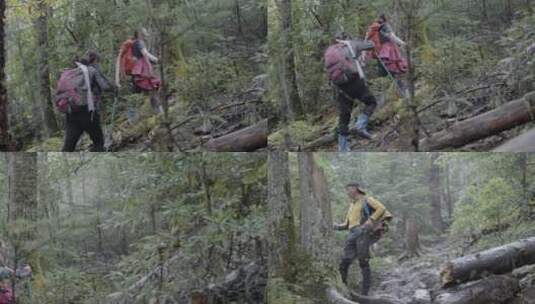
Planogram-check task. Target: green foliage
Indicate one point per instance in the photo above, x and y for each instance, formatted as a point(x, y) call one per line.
point(488, 206)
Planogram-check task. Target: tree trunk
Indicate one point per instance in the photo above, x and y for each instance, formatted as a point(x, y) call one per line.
point(68, 180)
point(498, 260)
point(4, 125)
point(491, 290)
point(206, 183)
point(412, 238)
point(41, 28)
point(447, 192)
point(508, 116)
point(525, 142)
point(238, 17)
point(23, 209)
point(434, 193)
point(316, 219)
point(287, 52)
point(282, 245)
point(246, 140)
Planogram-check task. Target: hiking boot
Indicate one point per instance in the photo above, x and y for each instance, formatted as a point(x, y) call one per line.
point(362, 126)
point(343, 145)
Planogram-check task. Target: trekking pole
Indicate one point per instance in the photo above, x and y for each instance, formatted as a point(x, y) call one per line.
point(389, 74)
point(109, 138)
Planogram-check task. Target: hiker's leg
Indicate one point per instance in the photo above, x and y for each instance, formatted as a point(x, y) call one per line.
point(366, 97)
point(366, 276)
point(73, 131)
point(95, 132)
point(345, 106)
point(350, 254)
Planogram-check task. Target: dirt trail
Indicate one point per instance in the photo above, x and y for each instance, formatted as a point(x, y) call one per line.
point(412, 280)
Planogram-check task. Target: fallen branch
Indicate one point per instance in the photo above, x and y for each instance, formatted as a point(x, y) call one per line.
point(491, 290)
point(508, 116)
point(245, 140)
point(522, 143)
point(498, 260)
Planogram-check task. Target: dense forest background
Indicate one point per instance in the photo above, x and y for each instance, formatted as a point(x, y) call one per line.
point(445, 205)
point(135, 228)
point(466, 59)
point(212, 56)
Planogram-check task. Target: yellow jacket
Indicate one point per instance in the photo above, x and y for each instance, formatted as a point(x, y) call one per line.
point(355, 212)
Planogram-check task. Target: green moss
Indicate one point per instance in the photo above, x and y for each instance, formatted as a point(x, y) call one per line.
point(49, 145)
point(300, 130)
point(279, 291)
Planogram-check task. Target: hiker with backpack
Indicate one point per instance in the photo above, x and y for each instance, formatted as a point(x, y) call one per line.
point(367, 220)
point(136, 61)
point(346, 75)
point(387, 50)
point(78, 96)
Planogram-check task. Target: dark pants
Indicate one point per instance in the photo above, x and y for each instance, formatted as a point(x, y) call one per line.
point(357, 247)
point(356, 89)
point(79, 122)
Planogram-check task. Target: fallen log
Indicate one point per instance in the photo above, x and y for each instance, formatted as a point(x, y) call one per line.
point(522, 143)
point(245, 140)
point(508, 116)
point(498, 260)
point(490, 290)
point(377, 299)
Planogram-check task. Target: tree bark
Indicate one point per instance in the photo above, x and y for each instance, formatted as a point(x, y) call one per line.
point(522, 143)
point(412, 238)
point(23, 209)
point(41, 28)
point(4, 125)
point(508, 116)
point(282, 244)
point(287, 52)
point(491, 290)
point(246, 140)
point(433, 178)
point(498, 260)
point(316, 219)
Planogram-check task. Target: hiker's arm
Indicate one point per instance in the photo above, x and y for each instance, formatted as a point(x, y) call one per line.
point(396, 39)
point(148, 55)
point(103, 82)
point(379, 209)
point(342, 226)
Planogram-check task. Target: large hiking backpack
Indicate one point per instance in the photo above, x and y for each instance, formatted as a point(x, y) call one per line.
point(70, 87)
point(126, 55)
point(339, 64)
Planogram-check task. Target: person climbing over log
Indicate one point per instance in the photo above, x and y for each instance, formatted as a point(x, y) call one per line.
point(386, 51)
point(78, 95)
point(136, 61)
point(367, 219)
point(347, 77)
